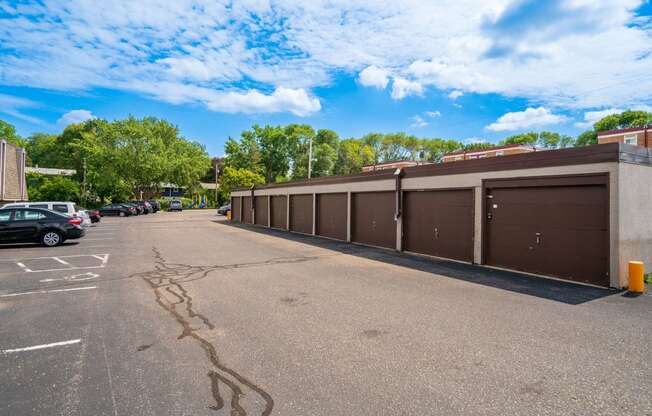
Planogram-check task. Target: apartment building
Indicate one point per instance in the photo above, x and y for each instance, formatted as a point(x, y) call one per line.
point(638, 136)
point(511, 149)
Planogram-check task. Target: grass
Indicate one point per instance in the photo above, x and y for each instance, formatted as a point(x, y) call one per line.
point(648, 278)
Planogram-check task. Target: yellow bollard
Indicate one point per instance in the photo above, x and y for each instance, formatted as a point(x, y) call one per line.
point(636, 272)
point(228, 215)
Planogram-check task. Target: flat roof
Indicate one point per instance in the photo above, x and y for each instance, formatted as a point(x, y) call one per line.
point(627, 130)
point(599, 153)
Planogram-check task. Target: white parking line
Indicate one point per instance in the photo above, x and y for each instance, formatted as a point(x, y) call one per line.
point(97, 239)
point(42, 346)
point(61, 261)
point(10, 295)
point(21, 265)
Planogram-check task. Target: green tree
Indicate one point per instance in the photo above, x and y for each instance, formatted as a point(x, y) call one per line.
point(352, 155)
point(587, 138)
point(52, 188)
point(238, 177)
point(8, 133)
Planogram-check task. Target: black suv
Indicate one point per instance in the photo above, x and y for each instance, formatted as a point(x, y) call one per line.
point(34, 225)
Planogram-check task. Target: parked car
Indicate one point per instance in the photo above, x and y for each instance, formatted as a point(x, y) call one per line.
point(68, 208)
point(120, 210)
point(138, 208)
point(175, 206)
point(27, 225)
point(224, 209)
point(85, 216)
point(146, 206)
point(95, 215)
point(156, 205)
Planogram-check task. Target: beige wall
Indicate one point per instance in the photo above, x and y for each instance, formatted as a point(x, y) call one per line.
point(635, 228)
point(12, 173)
point(474, 180)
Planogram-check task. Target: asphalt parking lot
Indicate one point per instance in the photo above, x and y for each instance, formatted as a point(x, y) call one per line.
point(186, 314)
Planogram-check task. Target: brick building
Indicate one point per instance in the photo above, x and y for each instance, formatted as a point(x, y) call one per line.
point(13, 186)
point(510, 149)
point(640, 136)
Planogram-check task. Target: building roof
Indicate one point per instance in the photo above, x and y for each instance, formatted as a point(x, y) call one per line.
point(627, 130)
point(491, 149)
point(50, 171)
point(391, 162)
point(599, 153)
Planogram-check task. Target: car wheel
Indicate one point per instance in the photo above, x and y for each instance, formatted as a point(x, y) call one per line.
point(122, 214)
point(51, 239)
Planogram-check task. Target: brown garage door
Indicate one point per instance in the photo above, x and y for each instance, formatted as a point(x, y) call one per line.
point(331, 215)
point(261, 213)
point(279, 211)
point(372, 218)
point(558, 229)
point(301, 213)
point(439, 223)
point(235, 208)
point(246, 209)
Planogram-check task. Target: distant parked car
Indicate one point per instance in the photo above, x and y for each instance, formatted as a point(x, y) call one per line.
point(146, 206)
point(224, 209)
point(68, 208)
point(138, 208)
point(34, 225)
point(156, 205)
point(95, 215)
point(120, 210)
point(85, 216)
point(175, 206)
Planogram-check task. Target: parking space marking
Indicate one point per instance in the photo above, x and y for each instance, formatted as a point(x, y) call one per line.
point(61, 261)
point(97, 239)
point(31, 265)
point(42, 346)
point(74, 278)
point(41, 292)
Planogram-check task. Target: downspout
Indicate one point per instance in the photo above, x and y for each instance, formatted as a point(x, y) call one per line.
point(253, 205)
point(398, 173)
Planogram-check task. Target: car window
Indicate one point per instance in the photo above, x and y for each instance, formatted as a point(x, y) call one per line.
point(26, 215)
point(4, 216)
point(60, 208)
point(39, 206)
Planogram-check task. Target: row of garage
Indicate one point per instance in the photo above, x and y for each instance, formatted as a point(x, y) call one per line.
point(560, 214)
point(526, 223)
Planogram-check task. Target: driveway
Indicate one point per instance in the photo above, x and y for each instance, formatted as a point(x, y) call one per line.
point(187, 314)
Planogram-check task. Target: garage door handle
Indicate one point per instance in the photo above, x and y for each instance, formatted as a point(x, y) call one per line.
point(538, 238)
point(436, 232)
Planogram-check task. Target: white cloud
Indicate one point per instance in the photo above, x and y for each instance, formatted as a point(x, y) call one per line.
point(455, 94)
point(474, 140)
point(577, 54)
point(73, 117)
point(402, 88)
point(591, 117)
point(417, 121)
point(531, 117)
point(372, 76)
point(12, 106)
point(433, 114)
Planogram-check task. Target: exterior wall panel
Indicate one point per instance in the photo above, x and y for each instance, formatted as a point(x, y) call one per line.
point(332, 215)
point(236, 203)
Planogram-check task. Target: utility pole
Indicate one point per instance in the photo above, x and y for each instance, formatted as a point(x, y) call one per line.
point(310, 159)
point(217, 171)
point(83, 196)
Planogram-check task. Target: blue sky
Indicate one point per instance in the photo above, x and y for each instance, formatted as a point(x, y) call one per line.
point(466, 69)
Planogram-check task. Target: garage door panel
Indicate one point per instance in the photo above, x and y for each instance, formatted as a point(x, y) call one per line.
point(331, 215)
point(261, 204)
point(439, 223)
point(279, 211)
point(560, 231)
point(246, 210)
point(372, 218)
point(235, 208)
point(301, 213)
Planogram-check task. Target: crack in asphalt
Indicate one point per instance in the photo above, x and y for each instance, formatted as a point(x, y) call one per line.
point(168, 278)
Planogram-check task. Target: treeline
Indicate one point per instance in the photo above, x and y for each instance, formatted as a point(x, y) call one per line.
point(276, 154)
point(113, 160)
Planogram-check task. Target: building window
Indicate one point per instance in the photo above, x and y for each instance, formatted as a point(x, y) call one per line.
point(482, 156)
point(473, 157)
point(500, 153)
point(631, 139)
point(458, 158)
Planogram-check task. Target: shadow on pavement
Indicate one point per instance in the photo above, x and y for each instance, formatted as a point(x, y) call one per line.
point(560, 291)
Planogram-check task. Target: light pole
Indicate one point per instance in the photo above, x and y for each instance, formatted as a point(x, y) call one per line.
point(310, 159)
point(217, 171)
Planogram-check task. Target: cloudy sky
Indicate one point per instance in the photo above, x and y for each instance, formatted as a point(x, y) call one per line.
point(465, 69)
